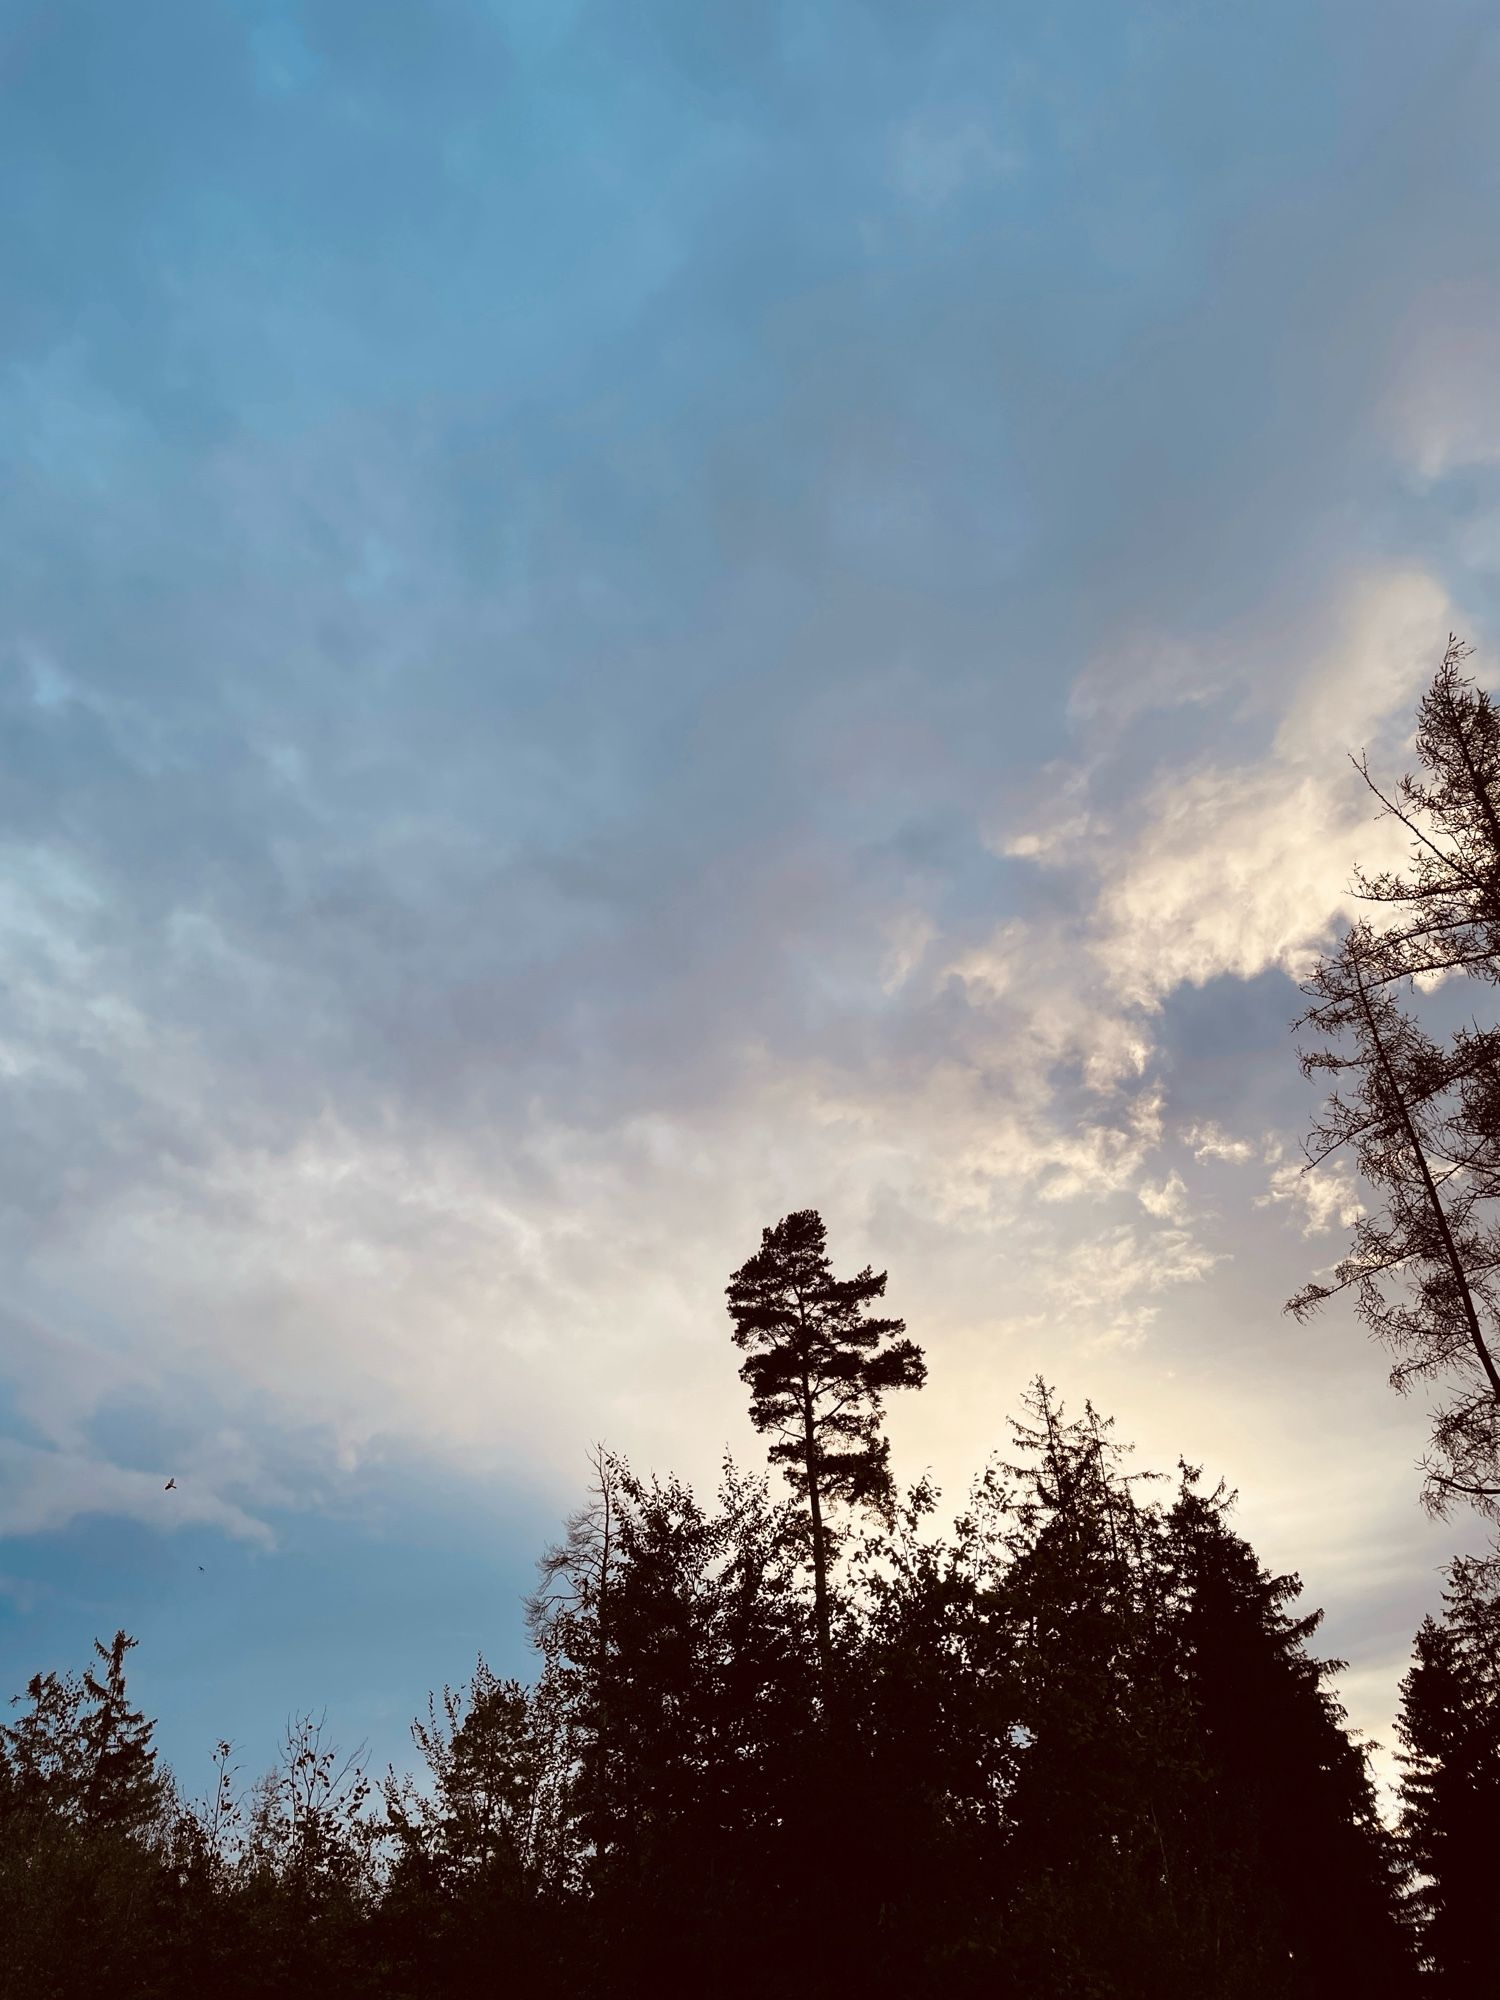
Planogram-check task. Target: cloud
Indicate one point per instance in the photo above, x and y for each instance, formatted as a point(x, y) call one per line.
point(1209, 1142)
point(1166, 1200)
point(1325, 1198)
point(1233, 869)
point(43, 1490)
point(1112, 1282)
point(784, 632)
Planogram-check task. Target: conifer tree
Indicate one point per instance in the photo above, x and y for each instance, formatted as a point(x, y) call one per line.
point(1422, 1267)
point(1104, 1760)
point(1187, 1813)
point(81, 1751)
point(122, 1787)
point(818, 1369)
point(1450, 1793)
point(1294, 1820)
point(1420, 1116)
point(1443, 909)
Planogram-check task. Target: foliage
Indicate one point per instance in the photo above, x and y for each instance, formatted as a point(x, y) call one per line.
point(818, 1368)
point(1074, 1743)
point(1450, 1789)
point(1418, 1113)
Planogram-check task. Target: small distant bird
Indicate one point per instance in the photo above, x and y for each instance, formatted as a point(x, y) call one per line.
point(170, 1484)
point(200, 1569)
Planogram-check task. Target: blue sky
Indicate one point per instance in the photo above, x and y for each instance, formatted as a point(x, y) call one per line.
point(619, 619)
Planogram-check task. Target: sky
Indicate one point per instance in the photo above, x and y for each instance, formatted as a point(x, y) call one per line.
point(617, 620)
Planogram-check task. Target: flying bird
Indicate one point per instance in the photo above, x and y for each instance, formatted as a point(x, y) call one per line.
point(170, 1484)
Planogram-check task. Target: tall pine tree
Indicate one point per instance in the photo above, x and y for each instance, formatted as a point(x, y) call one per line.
point(818, 1368)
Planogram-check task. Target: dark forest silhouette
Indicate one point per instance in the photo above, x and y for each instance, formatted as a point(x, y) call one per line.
point(809, 1742)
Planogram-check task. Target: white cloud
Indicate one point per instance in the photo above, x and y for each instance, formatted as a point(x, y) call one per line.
point(1209, 1141)
point(1392, 630)
point(1167, 1200)
point(1112, 1282)
point(1322, 1198)
point(490, 1286)
point(1235, 869)
point(44, 1489)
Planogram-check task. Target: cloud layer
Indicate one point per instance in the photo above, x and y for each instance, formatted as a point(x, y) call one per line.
point(612, 628)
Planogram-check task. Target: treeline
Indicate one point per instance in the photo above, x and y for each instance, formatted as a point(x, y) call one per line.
point(1079, 1743)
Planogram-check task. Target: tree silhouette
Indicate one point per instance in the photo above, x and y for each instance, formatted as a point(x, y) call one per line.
point(1421, 1116)
point(483, 1810)
point(818, 1369)
point(1422, 1268)
point(570, 1616)
point(1082, 1748)
point(1449, 1728)
point(44, 1764)
point(122, 1788)
point(1443, 910)
point(81, 1751)
point(1294, 1820)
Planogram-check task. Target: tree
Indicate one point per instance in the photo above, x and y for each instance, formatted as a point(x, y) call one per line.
point(81, 1827)
point(1292, 1835)
point(43, 1749)
point(1444, 910)
point(483, 1813)
point(1450, 1790)
point(477, 1848)
point(1105, 1766)
point(1419, 1115)
point(122, 1787)
point(1422, 1268)
point(81, 1752)
point(1188, 1814)
point(570, 1617)
point(673, 1635)
point(915, 1838)
point(307, 1830)
point(818, 1369)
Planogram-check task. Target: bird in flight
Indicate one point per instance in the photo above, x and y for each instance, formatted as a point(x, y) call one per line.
point(170, 1484)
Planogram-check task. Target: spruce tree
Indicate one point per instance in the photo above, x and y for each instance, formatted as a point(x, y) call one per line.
point(1104, 1760)
point(80, 1750)
point(1293, 1819)
point(122, 1788)
point(1450, 1795)
point(818, 1368)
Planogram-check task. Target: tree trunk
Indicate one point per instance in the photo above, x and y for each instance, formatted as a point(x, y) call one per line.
point(819, 1547)
point(1439, 1215)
